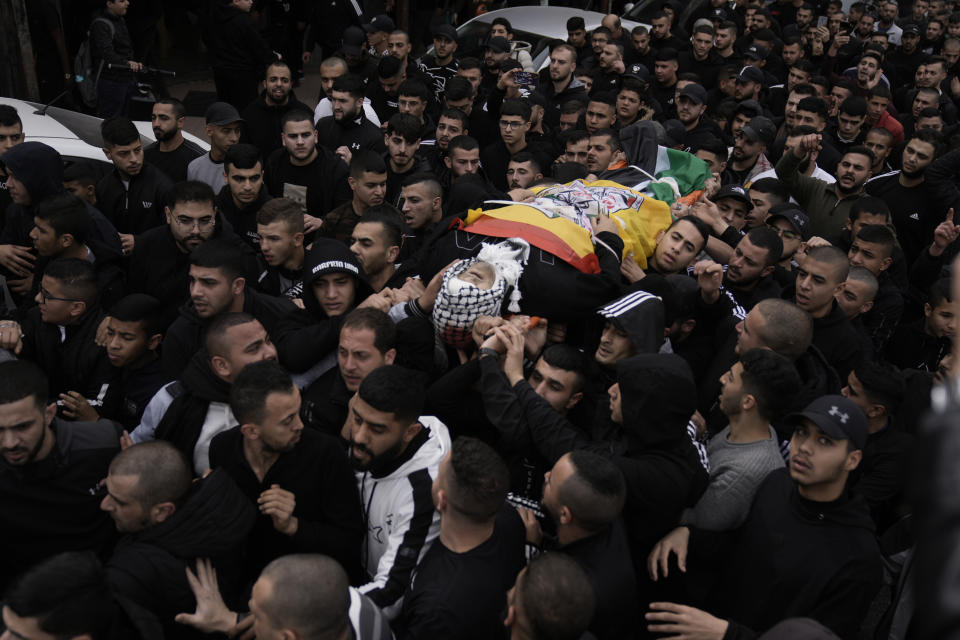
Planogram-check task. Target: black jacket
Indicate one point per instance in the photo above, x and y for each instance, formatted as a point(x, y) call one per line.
point(149, 567)
point(355, 134)
point(911, 347)
point(137, 207)
point(135, 388)
point(883, 474)
point(185, 336)
point(328, 507)
point(159, 268)
point(75, 363)
point(235, 42)
point(53, 505)
point(793, 558)
point(305, 337)
point(262, 122)
point(111, 46)
point(318, 187)
point(324, 406)
point(243, 221)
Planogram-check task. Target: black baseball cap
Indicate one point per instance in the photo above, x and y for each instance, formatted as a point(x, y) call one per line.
point(792, 214)
point(735, 191)
point(222, 113)
point(760, 129)
point(750, 74)
point(837, 417)
point(498, 44)
point(666, 54)
point(381, 22)
point(445, 31)
point(911, 28)
point(637, 70)
point(353, 41)
point(756, 52)
point(695, 92)
point(750, 107)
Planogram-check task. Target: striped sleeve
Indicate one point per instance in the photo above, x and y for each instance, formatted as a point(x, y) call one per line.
point(413, 530)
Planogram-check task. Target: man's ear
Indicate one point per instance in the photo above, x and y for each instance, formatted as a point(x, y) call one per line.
point(392, 253)
point(220, 366)
point(298, 239)
point(767, 270)
point(49, 413)
point(390, 356)
point(866, 307)
point(250, 431)
point(168, 214)
point(78, 308)
point(885, 264)
point(66, 241)
point(574, 399)
point(853, 460)
point(618, 156)
point(154, 341)
point(238, 285)
point(411, 432)
point(162, 511)
point(353, 183)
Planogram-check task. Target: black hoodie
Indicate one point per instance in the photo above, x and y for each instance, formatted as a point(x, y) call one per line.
point(793, 558)
point(305, 337)
point(148, 567)
point(243, 220)
point(355, 134)
point(235, 42)
point(262, 120)
point(136, 206)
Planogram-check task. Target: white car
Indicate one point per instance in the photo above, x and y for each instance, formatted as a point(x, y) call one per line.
point(75, 135)
point(536, 26)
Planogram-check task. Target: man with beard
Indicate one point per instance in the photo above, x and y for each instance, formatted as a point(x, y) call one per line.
point(49, 473)
point(402, 139)
point(396, 454)
point(298, 478)
point(563, 86)
point(452, 123)
point(749, 146)
point(244, 194)
point(905, 192)
point(748, 279)
point(171, 153)
point(280, 229)
point(348, 130)
point(263, 115)
point(828, 205)
point(691, 111)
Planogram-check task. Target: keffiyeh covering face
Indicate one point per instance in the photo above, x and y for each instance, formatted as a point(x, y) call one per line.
point(468, 290)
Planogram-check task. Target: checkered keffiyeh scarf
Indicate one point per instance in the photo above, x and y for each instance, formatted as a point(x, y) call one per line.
point(460, 303)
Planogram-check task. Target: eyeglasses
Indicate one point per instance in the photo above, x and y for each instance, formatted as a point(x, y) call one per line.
point(188, 223)
point(506, 124)
point(45, 297)
point(784, 233)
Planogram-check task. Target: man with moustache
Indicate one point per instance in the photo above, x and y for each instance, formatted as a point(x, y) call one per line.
point(171, 153)
point(264, 114)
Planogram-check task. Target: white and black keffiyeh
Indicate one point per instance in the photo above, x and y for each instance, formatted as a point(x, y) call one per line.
point(460, 303)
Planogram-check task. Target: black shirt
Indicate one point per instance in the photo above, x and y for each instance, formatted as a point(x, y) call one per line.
point(318, 186)
point(462, 595)
point(173, 163)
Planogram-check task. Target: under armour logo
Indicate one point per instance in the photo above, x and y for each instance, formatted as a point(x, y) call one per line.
point(834, 411)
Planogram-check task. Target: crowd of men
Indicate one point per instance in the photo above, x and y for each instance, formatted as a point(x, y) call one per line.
point(237, 395)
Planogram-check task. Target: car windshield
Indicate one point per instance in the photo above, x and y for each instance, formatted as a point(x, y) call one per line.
point(85, 127)
point(474, 35)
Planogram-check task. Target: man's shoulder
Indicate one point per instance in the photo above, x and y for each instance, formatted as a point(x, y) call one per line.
point(87, 436)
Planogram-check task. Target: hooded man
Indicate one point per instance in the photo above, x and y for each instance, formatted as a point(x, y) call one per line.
point(333, 284)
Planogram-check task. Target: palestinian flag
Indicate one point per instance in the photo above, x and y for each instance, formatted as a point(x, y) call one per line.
point(680, 176)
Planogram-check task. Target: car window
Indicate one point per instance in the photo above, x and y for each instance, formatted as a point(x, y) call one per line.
point(85, 127)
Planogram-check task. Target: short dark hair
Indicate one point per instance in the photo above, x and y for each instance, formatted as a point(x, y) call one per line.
point(698, 224)
point(283, 209)
point(771, 379)
point(242, 156)
point(769, 240)
point(366, 161)
point(190, 191)
point(869, 204)
point(390, 218)
point(67, 594)
point(469, 62)
point(878, 234)
point(9, 116)
point(405, 125)
point(479, 480)
point(504, 23)
point(516, 107)
point(389, 67)
point(814, 105)
point(76, 275)
point(296, 114)
point(221, 254)
point(556, 597)
point(383, 328)
point(571, 136)
point(394, 389)
point(568, 358)
point(462, 142)
point(178, 108)
point(162, 471)
point(65, 213)
point(349, 83)
point(862, 151)
point(118, 130)
point(458, 88)
point(276, 62)
point(716, 147)
point(256, 381)
point(881, 132)
point(772, 187)
point(433, 185)
point(415, 88)
point(141, 308)
point(596, 492)
point(882, 384)
point(833, 257)
point(21, 379)
point(939, 293)
point(215, 336)
point(526, 156)
point(612, 136)
point(456, 114)
point(608, 98)
point(854, 106)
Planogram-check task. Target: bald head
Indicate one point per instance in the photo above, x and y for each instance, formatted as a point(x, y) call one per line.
point(308, 594)
point(835, 259)
point(787, 329)
point(162, 472)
